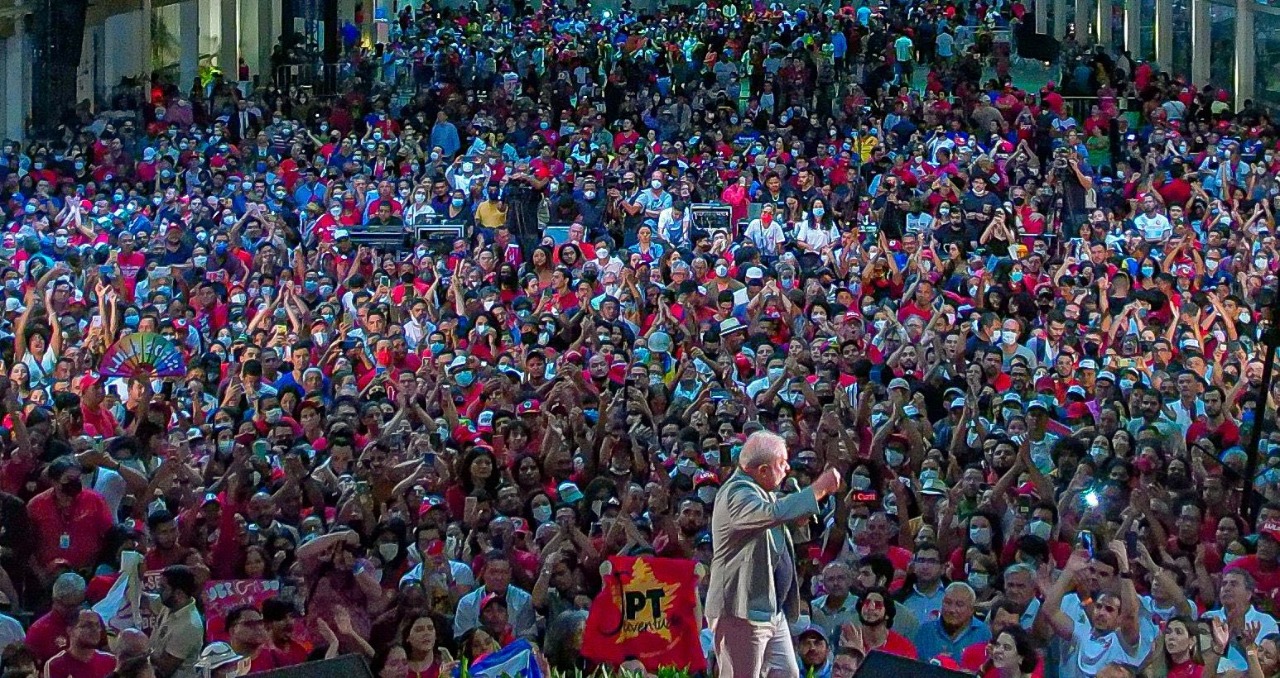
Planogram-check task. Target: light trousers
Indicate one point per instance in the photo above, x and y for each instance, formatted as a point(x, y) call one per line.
point(747, 649)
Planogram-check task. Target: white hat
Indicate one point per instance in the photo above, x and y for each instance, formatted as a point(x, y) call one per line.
point(217, 655)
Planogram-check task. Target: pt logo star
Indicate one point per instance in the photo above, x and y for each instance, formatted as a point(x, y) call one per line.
point(646, 604)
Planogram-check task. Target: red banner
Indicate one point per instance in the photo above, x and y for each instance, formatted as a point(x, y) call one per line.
point(223, 595)
point(647, 610)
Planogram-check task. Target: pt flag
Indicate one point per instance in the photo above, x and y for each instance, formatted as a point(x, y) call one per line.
point(647, 610)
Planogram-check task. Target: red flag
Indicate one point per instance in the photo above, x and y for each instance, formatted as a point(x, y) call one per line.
point(647, 610)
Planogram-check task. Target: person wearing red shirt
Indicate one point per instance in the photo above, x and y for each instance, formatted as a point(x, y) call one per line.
point(1215, 422)
point(69, 520)
point(165, 550)
point(49, 634)
point(247, 634)
point(974, 658)
point(876, 610)
point(1263, 566)
point(280, 617)
point(82, 658)
point(97, 419)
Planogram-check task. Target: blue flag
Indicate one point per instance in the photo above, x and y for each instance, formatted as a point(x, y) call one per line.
point(513, 661)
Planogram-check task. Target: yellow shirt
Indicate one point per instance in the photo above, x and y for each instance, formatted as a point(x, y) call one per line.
point(490, 215)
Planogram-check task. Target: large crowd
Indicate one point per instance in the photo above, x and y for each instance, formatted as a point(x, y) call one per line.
point(1029, 338)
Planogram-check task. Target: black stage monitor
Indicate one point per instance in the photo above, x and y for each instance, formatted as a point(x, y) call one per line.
point(885, 665)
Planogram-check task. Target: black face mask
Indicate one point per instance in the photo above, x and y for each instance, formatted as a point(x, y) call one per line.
point(72, 488)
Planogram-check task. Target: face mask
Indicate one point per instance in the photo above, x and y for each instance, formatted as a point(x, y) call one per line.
point(1260, 262)
point(29, 209)
point(1126, 384)
point(200, 261)
point(335, 212)
point(419, 197)
point(457, 202)
point(274, 415)
point(1211, 265)
point(388, 552)
point(1040, 528)
point(1009, 337)
point(859, 482)
point(465, 378)
point(1016, 276)
point(655, 184)
point(686, 466)
point(589, 195)
point(1229, 558)
point(326, 290)
point(980, 536)
point(775, 373)
point(893, 457)
point(542, 513)
point(978, 580)
point(237, 299)
point(1148, 271)
point(131, 321)
point(60, 241)
point(226, 446)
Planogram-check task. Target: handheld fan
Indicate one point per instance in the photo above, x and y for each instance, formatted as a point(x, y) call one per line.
point(143, 353)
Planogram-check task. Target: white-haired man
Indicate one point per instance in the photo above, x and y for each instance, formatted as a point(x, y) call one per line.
point(753, 590)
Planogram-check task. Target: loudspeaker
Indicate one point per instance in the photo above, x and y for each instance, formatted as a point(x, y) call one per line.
point(345, 666)
point(884, 665)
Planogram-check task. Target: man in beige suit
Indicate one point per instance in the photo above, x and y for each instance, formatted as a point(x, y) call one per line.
point(753, 590)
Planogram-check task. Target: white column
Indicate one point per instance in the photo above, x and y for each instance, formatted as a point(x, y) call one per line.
point(250, 39)
point(1084, 12)
point(144, 46)
point(1200, 40)
point(1164, 34)
point(1060, 19)
point(120, 45)
point(16, 83)
point(1102, 23)
point(1133, 28)
point(229, 41)
point(1042, 17)
point(1245, 59)
point(189, 44)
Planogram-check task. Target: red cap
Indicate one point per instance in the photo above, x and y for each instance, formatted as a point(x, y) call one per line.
point(1078, 411)
point(530, 406)
point(88, 381)
point(1271, 528)
point(618, 373)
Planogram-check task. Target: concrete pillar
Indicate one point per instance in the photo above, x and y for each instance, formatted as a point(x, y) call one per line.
point(1164, 34)
point(1246, 61)
point(144, 40)
point(189, 44)
point(125, 55)
point(1133, 28)
point(17, 81)
point(1060, 19)
point(1084, 12)
point(1042, 17)
point(1200, 42)
point(1102, 23)
point(251, 40)
point(229, 41)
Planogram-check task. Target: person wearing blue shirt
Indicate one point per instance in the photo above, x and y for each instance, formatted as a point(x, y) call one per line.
point(310, 189)
point(955, 629)
point(445, 135)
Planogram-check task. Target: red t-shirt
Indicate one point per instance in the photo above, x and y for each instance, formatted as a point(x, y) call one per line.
point(66, 666)
point(47, 637)
point(269, 659)
point(98, 422)
point(74, 533)
point(897, 644)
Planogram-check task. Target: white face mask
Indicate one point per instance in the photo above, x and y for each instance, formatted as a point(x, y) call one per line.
point(980, 535)
point(388, 552)
point(1040, 528)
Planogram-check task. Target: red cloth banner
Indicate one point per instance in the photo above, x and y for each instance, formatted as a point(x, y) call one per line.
point(647, 610)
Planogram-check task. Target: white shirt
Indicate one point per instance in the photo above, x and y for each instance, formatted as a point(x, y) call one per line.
point(111, 486)
point(766, 238)
point(1234, 661)
point(459, 571)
